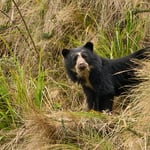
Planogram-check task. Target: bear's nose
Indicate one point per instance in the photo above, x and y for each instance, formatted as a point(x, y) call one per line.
point(82, 66)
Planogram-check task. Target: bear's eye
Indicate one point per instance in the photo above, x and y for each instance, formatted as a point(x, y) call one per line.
point(74, 57)
point(84, 55)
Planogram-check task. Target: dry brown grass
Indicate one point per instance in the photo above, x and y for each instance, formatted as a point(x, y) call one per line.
point(88, 130)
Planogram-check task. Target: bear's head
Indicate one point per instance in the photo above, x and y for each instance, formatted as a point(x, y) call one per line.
point(78, 61)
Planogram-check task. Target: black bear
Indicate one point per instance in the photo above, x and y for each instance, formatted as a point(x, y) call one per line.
point(101, 78)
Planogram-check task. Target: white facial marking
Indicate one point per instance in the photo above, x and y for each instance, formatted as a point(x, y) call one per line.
point(83, 73)
point(80, 72)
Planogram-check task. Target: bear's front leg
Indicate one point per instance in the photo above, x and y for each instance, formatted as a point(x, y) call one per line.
point(90, 98)
point(96, 103)
point(103, 102)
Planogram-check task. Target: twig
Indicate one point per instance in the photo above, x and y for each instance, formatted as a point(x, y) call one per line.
point(12, 14)
point(136, 11)
point(134, 132)
point(5, 14)
point(14, 27)
point(37, 52)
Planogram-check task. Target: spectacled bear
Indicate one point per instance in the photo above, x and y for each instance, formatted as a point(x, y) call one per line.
point(101, 78)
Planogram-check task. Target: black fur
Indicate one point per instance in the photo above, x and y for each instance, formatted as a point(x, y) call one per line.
point(108, 78)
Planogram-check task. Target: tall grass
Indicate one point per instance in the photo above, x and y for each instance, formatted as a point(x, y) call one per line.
point(7, 113)
point(40, 84)
point(19, 92)
point(123, 39)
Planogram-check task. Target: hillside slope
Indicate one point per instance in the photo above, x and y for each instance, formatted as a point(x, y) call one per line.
point(40, 108)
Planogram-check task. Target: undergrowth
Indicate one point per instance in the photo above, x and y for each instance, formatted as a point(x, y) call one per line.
point(39, 107)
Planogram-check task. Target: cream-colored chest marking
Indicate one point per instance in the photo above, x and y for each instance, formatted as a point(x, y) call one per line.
point(88, 84)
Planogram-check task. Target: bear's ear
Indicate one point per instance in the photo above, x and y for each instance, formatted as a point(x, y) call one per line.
point(89, 45)
point(65, 52)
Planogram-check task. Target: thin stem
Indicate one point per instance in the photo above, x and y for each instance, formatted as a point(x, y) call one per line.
point(5, 14)
point(27, 29)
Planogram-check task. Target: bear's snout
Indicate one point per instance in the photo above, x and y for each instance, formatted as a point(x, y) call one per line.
point(82, 66)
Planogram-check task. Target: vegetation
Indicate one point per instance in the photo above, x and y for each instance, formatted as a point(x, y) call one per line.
point(39, 107)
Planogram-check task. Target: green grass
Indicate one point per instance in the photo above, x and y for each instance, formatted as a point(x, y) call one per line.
point(122, 40)
point(7, 112)
point(39, 84)
point(15, 90)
